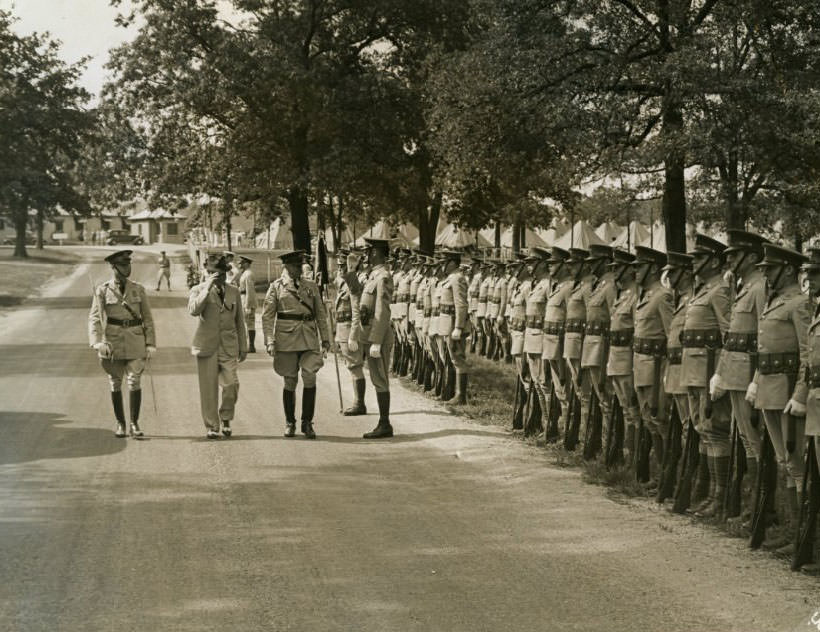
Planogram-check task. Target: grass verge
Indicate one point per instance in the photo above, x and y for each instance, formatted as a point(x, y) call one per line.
point(23, 278)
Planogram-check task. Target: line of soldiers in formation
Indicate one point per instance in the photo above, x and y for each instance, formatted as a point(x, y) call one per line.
point(700, 371)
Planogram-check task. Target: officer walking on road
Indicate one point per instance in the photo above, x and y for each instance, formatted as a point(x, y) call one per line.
point(164, 270)
point(296, 336)
point(220, 344)
point(247, 290)
point(121, 330)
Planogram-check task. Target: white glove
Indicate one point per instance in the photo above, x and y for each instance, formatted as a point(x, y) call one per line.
point(375, 351)
point(795, 409)
point(104, 349)
point(269, 349)
point(456, 335)
point(715, 391)
point(150, 350)
point(751, 393)
point(352, 345)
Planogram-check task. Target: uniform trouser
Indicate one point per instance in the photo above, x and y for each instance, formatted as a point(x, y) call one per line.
point(354, 361)
point(217, 370)
point(164, 273)
point(441, 348)
point(603, 389)
point(522, 370)
point(742, 412)
point(457, 350)
point(288, 364)
point(379, 368)
point(131, 370)
point(580, 379)
point(714, 430)
point(794, 462)
point(624, 387)
point(656, 424)
point(250, 319)
point(557, 371)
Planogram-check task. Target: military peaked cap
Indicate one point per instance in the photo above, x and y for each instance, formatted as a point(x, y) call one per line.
point(645, 254)
point(540, 253)
point(245, 258)
point(121, 256)
point(294, 256)
point(599, 251)
point(775, 255)
point(705, 245)
point(381, 244)
point(451, 253)
point(216, 261)
point(744, 240)
point(621, 258)
point(577, 255)
point(677, 260)
point(558, 255)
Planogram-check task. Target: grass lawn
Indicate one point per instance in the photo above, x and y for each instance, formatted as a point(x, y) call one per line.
point(22, 278)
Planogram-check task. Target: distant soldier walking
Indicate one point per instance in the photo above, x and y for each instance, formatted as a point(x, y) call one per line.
point(220, 344)
point(164, 270)
point(296, 336)
point(121, 330)
point(247, 290)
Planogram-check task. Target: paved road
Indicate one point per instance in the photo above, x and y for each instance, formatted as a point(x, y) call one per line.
point(450, 526)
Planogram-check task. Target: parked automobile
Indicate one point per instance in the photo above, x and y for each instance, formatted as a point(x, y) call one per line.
point(122, 236)
point(31, 240)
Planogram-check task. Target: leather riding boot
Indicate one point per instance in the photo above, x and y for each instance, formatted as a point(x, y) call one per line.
point(308, 406)
point(251, 341)
point(700, 486)
point(451, 381)
point(533, 424)
point(439, 383)
point(358, 407)
point(786, 548)
point(289, 404)
point(720, 472)
point(383, 430)
point(134, 402)
point(700, 489)
point(429, 367)
point(460, 396)
point(119, 413)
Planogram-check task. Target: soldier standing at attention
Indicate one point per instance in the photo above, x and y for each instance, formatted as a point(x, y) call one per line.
point(344, 318)
point(653, 316)
point(517, 324)
point(454, 326)
point(121, 330)
point(621, 333)
point(247, 290)
point(296, 336)
point(402, 307)
point(707, 320)
point(374, 333)
point(555, 315)
point(736, 368)
point(220, 344)
point(779, 388)
point(474, 279)
point(481, 308)
point(533, 333)
point(164, 270)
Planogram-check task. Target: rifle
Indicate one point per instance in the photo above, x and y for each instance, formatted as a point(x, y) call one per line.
point(643, 452)
point(737, 470)
point(615, 434)
point(552, 433)
point(765, 489)
point(689, 468)
point(518, 405)
point(573, 419)
point(807, 526)
point(594, 428)
point(669, 472)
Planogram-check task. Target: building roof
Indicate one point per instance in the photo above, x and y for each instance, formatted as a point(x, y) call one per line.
point(158, 215)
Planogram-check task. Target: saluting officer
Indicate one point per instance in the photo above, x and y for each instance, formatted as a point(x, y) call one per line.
point(220, 344)
point(653, 316)
point(344, 318)
point(736, 368)
point(247, 290)
point(707, 321)
point(294, 324)
point(555, 316)
point(453, 325)
point(779, 388)
point(121, 330)
point(619, 366)
point(373, 331)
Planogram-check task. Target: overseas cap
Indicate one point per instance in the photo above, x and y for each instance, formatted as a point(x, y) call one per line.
point(775, 255)
point(744, 240)
point(121, 256)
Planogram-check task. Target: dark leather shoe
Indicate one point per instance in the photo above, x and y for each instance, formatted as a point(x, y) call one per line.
point(307, 430)
point(120, 431)
point(226, 428)
point(136, 431)
point(382, 431)
point(212, 434)
point(290, 430)
point(358, 408)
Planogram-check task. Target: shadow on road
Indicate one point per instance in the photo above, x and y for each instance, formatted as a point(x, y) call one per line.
point(158, 301)
point(402, 438)
point(55, 437)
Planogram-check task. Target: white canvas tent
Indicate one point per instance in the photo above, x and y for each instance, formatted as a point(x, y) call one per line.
point(609, 231)
point(531, 238)
point(656, 237)
point(636, 233)
point(582, 235)
point(455, 237)
point(277, 237)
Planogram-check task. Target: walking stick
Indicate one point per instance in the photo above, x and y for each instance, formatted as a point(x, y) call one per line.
point(332, 326)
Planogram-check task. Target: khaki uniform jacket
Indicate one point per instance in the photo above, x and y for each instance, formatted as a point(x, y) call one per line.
point(653, 317)
point(127, 343)
point(784, 326)
point(412, 297)
point(374, 308)
point(473, 292)
point(401, 295)
point(813, 400)
point(220, 326)
point(555, 315)
point(577, 311)
point(283, 297)
point(518, 316)
point(708, 309)
point(509, 292)
point(599, 304)
point(672, 382)
point(534, 314)
point(453, 300)
point(343, 311)
point(736, 368)
point(622, 320)
point(248, 292)
point(484, 291)
point(435, 305)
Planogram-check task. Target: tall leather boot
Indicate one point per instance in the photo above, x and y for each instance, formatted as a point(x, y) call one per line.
point(289, 404)
point(720, 472)
point(440, 375)
point(427, 380)
point(460, 396)
point(308, 407)
point(358, 407)
point(703, 484)
point(532, 424)
point(519, 402)
point(134, 402)
point(251, 341)
point(629, 445)
point(119, 413)
point(451, 382)
point(784, 545)
point(383, 430)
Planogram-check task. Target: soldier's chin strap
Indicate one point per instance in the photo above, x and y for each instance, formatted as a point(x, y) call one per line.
point(739, 264)
point(703, 265)
point(642, 280)
point(773, 284)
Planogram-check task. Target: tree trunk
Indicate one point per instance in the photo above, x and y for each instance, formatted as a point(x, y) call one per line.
point(20, 224)
point(497, 235)
point(735, 211)
point(226, 219)
point(39, 221)
point(299, 224)
point(516, 235)
point(674, 187)
point(428, 221)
